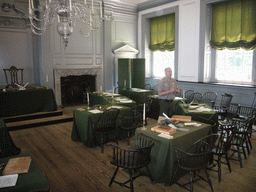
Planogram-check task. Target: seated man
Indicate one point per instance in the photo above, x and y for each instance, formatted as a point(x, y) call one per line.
point(166, 88)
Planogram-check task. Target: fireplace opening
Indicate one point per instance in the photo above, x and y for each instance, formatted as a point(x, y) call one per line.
point(74, 89)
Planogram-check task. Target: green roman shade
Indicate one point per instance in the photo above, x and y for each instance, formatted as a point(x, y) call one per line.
point(162, 33)
point(234, 25)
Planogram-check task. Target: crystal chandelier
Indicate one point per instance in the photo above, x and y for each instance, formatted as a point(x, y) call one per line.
point(86, 16)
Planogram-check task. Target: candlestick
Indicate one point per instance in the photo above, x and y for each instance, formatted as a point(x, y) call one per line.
point(92, 7)
point(124, 83)
point(100, 9)
point(144, 112)
point(29, 7)
point(47, 79)
point(100, 88)
point(88, 99)
point(183, 93)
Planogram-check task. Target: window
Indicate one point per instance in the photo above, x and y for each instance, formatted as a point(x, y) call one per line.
point(162, 60)
point(234, 66)
point(227, 66)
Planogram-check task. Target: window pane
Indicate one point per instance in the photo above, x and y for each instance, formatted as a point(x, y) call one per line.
point(162, 60)
point(234, 65)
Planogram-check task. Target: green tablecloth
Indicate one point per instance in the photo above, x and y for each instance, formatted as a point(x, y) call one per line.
point(136, 93)
point(196, 116)
point(33, 180)
point(154, 109)
point(7, 146)
point(163, 156)
point(20, 102)
point(82, 130)
point(106, 99)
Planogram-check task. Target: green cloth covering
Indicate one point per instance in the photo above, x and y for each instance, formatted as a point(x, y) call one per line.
point(162, 165)
point(7, 146)
point(234, 25)
point(196, 116)
point(162, 33)
point(19, 102)
point(34, 179)
point(154, 109)
point(82, 127)
point(136, 94)
point(102, 99)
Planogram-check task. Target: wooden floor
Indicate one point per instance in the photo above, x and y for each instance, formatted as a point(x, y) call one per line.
point(70, 166)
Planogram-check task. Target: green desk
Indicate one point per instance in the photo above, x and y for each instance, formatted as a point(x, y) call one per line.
point(135, 93)
point(107, 99)
point(33, 180)
point(154, 109)
point(6, 143)
point(20, 102)
point(163, 155)
point(195, 116)
point(82, 130)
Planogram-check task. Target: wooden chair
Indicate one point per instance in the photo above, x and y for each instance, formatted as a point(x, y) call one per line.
point(14, 75)
point(193, 160)
point(223, 108)
point(130, 122)
point(189, 95)
point(222, 147)
point(105, 126)
point(197, 97)
point(133, 160)
point(209, 98)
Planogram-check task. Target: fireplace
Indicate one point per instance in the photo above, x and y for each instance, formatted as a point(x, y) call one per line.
point(75, 87)
point(78, 89)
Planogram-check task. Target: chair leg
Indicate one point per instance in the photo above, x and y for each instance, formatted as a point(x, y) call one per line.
point(239, 157)
point(191, 180)
point(131, 180)
point(228, 163)
point(219, 167)
point(208, 178)
point(244, 151)
point(113, 177)
point(149, 174)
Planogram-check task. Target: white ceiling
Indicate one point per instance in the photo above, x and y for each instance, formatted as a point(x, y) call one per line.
point(134, 1)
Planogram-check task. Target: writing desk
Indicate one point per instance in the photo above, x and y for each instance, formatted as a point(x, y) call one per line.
point(154, 109)
point(196, 115)
point(82, 127)
point(106, 99)
point(33, 180)
point(135, 93)
point(19, 102)
point(163, 157)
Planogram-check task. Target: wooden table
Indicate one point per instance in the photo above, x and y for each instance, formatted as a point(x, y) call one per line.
point(33, 180)
point(196, 115)
point(107, 99)
point(154, 109)
point(7, 146)
point(135, 93)
point(19, 102)
point(163, 156)
point(82, 129)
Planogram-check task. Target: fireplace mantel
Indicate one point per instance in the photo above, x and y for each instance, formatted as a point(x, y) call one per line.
point(58, 73)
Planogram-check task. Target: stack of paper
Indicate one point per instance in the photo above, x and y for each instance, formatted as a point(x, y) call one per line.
point(8, 180)
point(95, 111)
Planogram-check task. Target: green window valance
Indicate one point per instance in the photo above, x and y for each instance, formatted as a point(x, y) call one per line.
point(162, 33)
point(234, 25)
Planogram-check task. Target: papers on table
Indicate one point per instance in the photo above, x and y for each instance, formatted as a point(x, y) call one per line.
point(165, 136)
point(193, 124)
point(8, 180)
point(199, 109)
point(115, 107)
point(179, 129)
point(111, 94)
point(95, 111)
point(123, 100)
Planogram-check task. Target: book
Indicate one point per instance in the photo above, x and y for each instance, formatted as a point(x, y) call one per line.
point(17, 165)
point(163, 129)
point(181, 118)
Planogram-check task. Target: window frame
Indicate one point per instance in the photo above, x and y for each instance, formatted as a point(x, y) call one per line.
point(210, 56)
